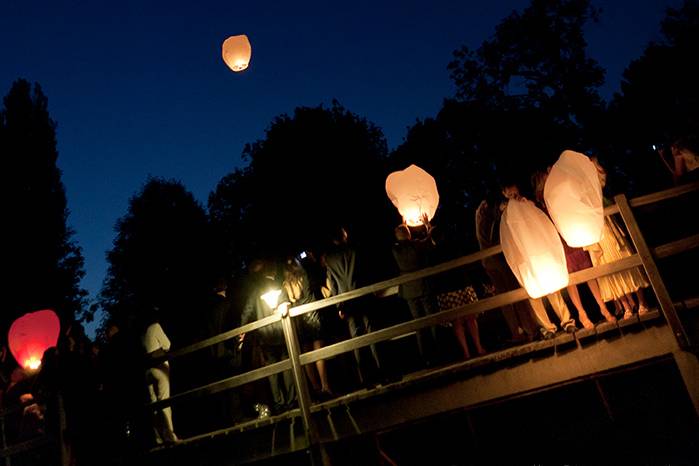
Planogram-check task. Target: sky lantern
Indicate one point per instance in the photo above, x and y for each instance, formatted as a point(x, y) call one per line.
point(414, 193)
point(31, 335)
point(573, 196)
point(236, 51)
point(532, 248)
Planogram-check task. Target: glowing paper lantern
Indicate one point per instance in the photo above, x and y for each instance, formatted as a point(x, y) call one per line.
point(414, 193)
point(236, 51)
point(31, 335)
point(532, 248)
point(573, 196)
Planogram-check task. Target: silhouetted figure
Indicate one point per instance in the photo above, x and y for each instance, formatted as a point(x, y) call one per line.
point(270, 337)
point(121, 360)
point(412, 254)
point(685, 161)
point(346, 271)
point(297, 290)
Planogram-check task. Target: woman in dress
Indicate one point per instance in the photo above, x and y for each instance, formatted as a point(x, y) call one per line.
point(614, 246)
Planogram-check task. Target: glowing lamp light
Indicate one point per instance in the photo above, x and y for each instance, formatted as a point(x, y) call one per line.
point(414, 193)
point(31, 335)
point(533, 249)
point(573, 196)
point(236, 52)
point(271, 298)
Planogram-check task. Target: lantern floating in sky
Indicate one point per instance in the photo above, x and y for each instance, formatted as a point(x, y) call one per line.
point(573, 196)
point(31, 335)
point(532, 248)
point(414, 193)
point(236, 51)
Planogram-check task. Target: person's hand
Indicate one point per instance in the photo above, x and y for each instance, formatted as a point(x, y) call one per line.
point(283, 309)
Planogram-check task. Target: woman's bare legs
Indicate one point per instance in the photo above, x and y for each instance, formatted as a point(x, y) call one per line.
point(642, 303)
point(311, 373)
point(575, 298)
point(461, 337)
point(594, 288)
point(629, 304)
point(322, 370)
point(472, 325)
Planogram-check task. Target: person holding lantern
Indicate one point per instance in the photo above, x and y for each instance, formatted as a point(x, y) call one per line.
point(510, 191)
point(576, 259)
point(518, 316)
point(411, 254)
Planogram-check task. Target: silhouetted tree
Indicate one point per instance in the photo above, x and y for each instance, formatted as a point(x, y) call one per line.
point(42, 265)
point(522, 97)
point(536, 60)
point(317, 169)
point(659, 99)
point(161, 259)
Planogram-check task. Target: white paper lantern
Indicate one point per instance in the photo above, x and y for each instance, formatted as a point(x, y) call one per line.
point(414, 193)
point(236, 51)
point(573, 196)
point(532, 248)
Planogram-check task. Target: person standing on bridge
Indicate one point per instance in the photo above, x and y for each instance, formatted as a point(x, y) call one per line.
point(411, 254)
point(157, 344)
point(346, 271)
point(518, 316)
point(271, 337)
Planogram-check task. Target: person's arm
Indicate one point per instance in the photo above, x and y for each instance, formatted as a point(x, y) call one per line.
point(248, 315)
point(162, 339)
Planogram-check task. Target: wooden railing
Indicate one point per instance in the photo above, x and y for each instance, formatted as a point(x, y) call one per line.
point(644, 257)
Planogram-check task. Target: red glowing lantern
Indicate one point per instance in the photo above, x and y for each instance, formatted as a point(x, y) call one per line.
point(31, 335)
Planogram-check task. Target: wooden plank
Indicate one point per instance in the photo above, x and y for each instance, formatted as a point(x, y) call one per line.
point(676, 247)
point(225, 384)
point(664, 195)
point(27, 445)
point(652, 272)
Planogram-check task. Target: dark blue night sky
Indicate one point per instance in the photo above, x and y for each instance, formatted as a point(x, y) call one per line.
point(139, 88)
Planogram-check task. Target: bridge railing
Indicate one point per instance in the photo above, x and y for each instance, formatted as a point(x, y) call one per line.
point(644, 257)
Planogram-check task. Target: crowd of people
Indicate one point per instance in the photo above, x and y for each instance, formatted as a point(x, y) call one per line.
point(103, 387)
